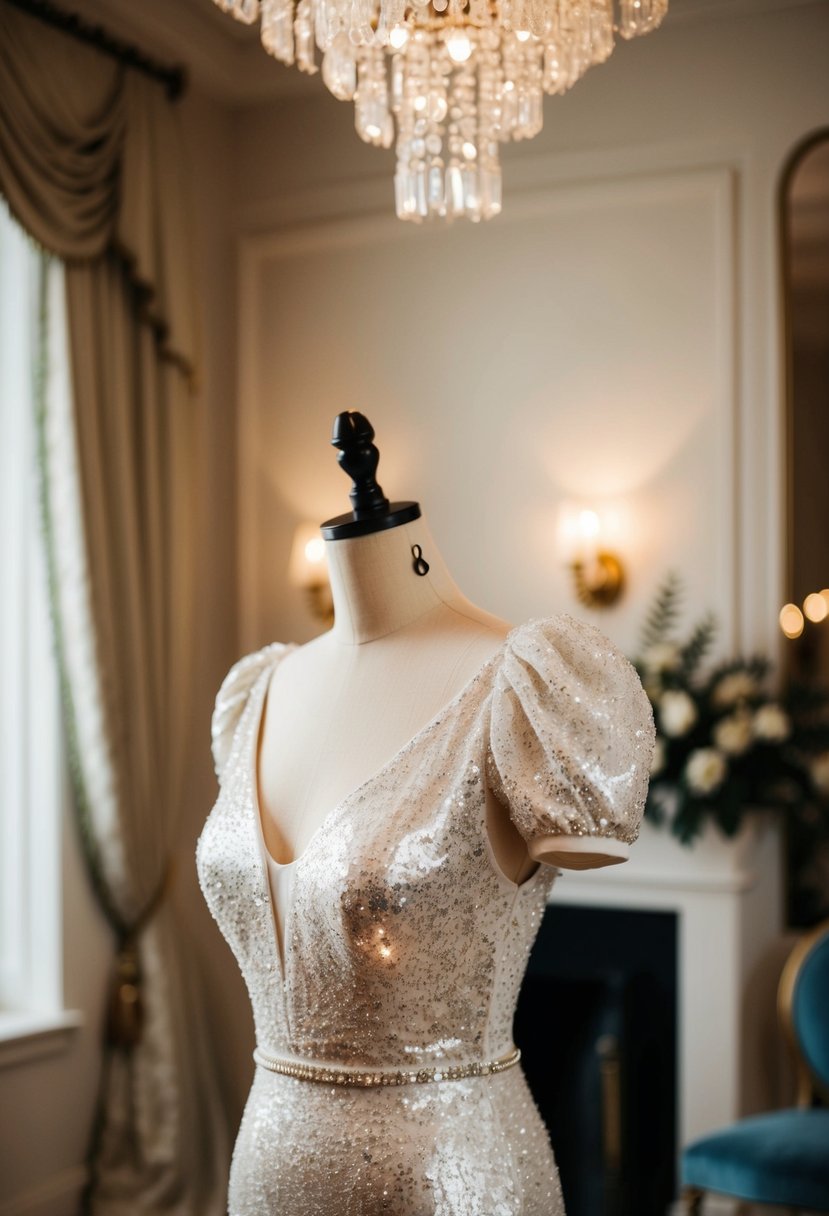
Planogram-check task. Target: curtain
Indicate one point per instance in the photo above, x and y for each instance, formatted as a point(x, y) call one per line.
point(91, 166)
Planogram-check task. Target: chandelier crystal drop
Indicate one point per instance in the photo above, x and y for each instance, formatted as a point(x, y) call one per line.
point(452, 78)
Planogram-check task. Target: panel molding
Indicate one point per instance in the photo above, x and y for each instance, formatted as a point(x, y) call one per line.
point(642, 179)
point(525, 169)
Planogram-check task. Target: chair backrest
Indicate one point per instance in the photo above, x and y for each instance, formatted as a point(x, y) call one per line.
point(803, 1002)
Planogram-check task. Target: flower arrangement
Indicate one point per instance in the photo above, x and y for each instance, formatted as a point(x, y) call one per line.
point(724, 745)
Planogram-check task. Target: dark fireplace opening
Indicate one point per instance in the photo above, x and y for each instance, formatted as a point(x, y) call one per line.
point(596, 1024)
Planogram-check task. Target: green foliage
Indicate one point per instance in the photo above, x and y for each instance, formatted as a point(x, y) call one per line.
point(729, 747)
point(663, 614)
point(698, 646)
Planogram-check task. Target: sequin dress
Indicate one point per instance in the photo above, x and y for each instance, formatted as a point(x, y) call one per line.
point(404, 944)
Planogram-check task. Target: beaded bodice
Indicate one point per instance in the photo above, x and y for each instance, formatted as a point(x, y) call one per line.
point(404, 944)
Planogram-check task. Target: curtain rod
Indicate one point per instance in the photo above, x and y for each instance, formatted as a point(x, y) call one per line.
point(174, 79)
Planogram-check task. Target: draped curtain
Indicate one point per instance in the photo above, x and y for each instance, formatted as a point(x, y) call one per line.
point(91, 166)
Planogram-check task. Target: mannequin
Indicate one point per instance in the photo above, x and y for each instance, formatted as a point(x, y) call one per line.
point(379, 901)
point(404, 643)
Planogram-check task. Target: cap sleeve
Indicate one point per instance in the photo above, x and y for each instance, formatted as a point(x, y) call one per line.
point(232, 698)
point(571, 736)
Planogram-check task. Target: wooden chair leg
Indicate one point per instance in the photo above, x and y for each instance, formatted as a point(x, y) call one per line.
point(692, 1197)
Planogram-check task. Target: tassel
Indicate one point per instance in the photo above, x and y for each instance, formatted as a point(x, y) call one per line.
point(125, 1011)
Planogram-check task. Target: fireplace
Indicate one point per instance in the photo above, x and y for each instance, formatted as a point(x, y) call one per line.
point(724, 900)
point(597, 1026)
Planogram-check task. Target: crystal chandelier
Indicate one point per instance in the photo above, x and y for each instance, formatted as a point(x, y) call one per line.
point(454, 77)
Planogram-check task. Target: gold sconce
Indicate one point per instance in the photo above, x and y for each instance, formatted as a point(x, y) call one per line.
point(308, 569)
point(587, 541)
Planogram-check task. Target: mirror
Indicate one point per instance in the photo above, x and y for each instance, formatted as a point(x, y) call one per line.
point(804, 215)
point(804, 244)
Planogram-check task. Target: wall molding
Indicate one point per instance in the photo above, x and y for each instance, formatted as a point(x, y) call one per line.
point(579, 181)
point(610, 887)
point(27, 1037)
point(525, 170)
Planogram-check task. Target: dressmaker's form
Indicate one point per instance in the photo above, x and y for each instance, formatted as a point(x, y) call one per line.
point(397, 799)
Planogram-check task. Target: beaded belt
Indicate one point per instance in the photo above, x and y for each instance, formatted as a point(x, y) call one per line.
point(326, 1075)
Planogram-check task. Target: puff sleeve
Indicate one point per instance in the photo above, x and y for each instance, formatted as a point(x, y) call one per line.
point(232, 698)
point(571, 740)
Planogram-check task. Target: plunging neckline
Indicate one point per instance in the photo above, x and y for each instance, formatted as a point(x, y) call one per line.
point(281, 932)
point(449, 707)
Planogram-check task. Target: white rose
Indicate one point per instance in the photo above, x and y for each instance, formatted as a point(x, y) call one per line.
point(705, 770)
point(772, 723)
point(819, 769)
point(677, 713)
point(659, 756)
point(738, 686)
point(664, 656)
point(733, 735)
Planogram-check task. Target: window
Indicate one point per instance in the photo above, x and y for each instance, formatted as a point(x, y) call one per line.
point(32, 770)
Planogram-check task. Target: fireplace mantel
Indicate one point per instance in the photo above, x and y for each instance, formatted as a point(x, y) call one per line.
point(728, 896)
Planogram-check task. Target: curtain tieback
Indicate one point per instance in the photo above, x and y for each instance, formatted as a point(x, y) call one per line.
point(125, 1012)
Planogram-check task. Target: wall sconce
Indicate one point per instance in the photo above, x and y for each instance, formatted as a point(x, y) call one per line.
point(587, 540)
point(308, 569)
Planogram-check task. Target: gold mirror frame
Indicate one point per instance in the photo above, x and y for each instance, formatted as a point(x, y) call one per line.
point(790, 168)
point(804, 658)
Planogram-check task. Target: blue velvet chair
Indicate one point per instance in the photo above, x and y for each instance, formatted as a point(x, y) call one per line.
point(779, 1158)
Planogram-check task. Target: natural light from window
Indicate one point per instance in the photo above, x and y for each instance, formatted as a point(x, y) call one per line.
point(31, 762)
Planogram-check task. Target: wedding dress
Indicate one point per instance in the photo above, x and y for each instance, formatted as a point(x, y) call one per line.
point(383, 1005)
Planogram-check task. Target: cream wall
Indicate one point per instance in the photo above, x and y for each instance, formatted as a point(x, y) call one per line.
point(580, 348)
point(635, 353)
